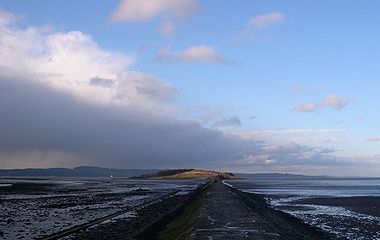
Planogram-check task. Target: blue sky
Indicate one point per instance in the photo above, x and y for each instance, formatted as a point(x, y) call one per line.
point(282, 72)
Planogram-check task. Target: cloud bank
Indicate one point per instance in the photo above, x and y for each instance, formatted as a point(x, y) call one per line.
point(43, 120)
point(65, 101)
point(62, 131)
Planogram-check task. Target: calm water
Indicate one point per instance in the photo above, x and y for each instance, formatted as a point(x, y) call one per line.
point(313, 187)
point(338, 220)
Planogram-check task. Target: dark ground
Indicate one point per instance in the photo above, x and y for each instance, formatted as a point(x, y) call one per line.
point(223, 213)
point(37, 208)
point(143, 219)
point(216, 212)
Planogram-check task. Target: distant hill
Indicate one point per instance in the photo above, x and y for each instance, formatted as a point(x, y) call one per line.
point(202, 174)
point(270, 176)
point(187, 174)
point(87, 171)
point(83, 171)
point(161, 174)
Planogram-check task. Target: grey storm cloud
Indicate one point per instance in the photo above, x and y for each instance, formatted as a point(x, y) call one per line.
point(37, 118)
point(86, 105)
point(102, 82)
point(230, 121)
point(34, 116)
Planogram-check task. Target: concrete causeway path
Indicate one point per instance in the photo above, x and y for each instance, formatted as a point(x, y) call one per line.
point(223, 216)
point(219, 214)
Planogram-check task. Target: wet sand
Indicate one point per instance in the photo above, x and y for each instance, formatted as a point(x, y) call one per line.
point(219, 212)
point(32, 208)
point(135, 227)
point(362, 204)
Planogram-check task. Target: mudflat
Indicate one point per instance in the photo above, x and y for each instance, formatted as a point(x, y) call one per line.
point(363, 204)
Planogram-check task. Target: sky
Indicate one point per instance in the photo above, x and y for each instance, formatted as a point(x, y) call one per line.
point(243, 86)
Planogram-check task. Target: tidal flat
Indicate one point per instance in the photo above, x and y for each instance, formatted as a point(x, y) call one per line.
point(38, 207)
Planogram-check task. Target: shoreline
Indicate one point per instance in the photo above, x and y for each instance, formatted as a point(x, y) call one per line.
point(156, 221)
point(152, 219)
point(369, 205)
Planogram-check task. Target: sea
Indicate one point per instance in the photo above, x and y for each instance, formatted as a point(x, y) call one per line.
point(348, 208)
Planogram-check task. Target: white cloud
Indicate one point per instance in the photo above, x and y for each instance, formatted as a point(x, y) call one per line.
point(265, 20)
point(143, 10)
point(288, 154)
point(305, 107)
point(334, 101)
point(7, 17)
point(329, 101)
point(260, 23)
point(298, 131)
point(253, 159)
point(304, 136)
point(70, 61)
point(166, 29)
point(200, 53)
